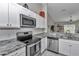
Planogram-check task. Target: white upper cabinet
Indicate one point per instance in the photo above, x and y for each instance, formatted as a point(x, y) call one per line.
point(3, 14)
point(14, 15)
point(9, 15)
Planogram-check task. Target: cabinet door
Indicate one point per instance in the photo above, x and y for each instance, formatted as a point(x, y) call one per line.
point(64, 48)
point(3, 14)
point(14, 15)
point(45, 42)
point(75, 50)
point(42, 45)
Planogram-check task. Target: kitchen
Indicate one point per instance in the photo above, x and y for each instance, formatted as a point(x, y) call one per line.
point(39, 29)
point(19, 29)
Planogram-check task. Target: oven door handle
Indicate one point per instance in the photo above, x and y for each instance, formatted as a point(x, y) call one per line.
point(33, 44)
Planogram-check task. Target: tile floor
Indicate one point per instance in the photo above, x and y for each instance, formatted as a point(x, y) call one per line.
point(48, 53)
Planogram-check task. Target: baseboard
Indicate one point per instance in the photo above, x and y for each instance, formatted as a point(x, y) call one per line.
point(53, 51)
point(57, 52)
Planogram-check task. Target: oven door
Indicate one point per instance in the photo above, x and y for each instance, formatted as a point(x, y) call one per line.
point(27, 21)
point(34, 49)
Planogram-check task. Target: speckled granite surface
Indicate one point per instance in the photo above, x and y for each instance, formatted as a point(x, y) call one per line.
point(41, 35)
point(63, 36)
point(9, 46)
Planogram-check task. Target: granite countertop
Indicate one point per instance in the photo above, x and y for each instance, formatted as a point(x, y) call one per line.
point(53, 36)
point(62, 36)
point(73, 38)
point(40, 35)
point(9, 46)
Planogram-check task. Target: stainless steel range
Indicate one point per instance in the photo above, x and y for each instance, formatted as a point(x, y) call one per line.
point(33, 45)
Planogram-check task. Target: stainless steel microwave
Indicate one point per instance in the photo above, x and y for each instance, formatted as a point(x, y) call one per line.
point(26, 21)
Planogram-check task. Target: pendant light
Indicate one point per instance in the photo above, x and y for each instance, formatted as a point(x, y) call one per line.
point(70, 21)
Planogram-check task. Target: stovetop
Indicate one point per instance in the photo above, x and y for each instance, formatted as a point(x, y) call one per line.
point(31, 41)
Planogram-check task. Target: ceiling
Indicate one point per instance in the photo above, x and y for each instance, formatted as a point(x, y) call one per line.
point(61, 12)
point(35, 7)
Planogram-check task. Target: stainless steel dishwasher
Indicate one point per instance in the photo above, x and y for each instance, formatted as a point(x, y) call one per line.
point(53, 44)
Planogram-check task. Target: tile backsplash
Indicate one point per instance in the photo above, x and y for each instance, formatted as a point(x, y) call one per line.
point(8, 34)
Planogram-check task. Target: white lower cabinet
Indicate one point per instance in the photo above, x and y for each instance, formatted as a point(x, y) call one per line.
point(75, 50)
point(64, 48)
point(43, 44)
point(68, 47)
point(19, 52)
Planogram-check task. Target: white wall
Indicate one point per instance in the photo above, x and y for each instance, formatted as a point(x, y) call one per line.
point(75, 19)
point(50, 22)
point(35, 7)
point(44, 7)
